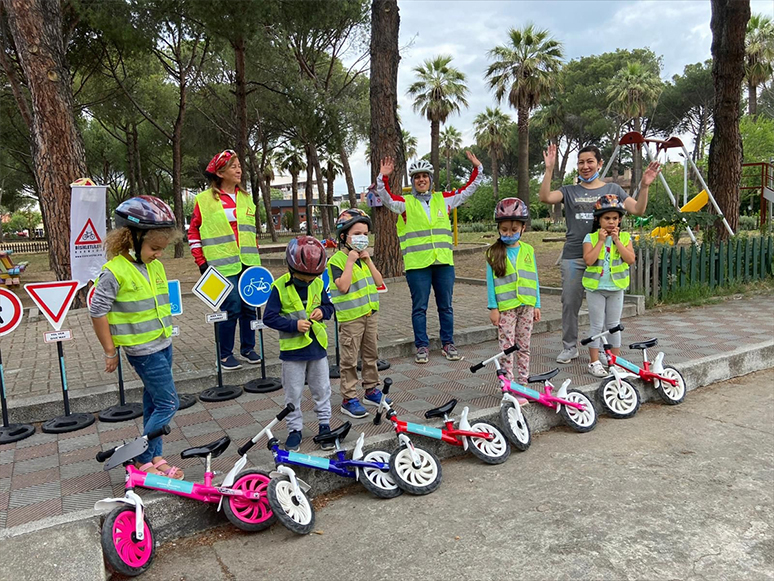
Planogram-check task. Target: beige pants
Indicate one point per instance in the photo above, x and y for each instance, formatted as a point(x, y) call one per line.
point(358, 337)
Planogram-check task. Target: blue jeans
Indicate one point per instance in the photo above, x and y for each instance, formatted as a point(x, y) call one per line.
point(441, 278)
point(159, 398)
point(237, 310)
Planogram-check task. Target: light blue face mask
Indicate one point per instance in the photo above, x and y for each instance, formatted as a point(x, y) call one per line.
point(591, 179)
point(513, 239)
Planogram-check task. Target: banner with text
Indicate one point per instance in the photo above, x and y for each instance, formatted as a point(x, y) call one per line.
point(87, 232)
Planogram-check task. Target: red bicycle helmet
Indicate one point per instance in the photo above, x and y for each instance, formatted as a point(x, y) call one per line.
point(609, 203)
point(307, 255)
point(350, 217)
point(144, 213)
point(511, 209)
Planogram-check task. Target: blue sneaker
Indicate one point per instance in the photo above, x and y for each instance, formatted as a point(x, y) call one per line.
point(374, 396)
point(293, 443)
point(353, 408)
point(325, 429)
point(230, 363)
point(252, 357)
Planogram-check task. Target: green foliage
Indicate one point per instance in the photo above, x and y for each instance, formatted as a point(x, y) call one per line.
point(748, 223)
point(539, 224)
point(287, 220)
point(477, 227)
point(757, 138)
point(557, 227)
point(22, 220)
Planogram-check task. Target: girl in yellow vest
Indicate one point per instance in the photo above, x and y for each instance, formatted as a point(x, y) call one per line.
point(130, 308)
point(353, 294)
point(222, 235)
point(608, 253)
point(512, 286)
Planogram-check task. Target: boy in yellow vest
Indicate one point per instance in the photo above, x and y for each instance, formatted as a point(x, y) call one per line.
point(130, 309)
point(296, 308)
point(353, 293)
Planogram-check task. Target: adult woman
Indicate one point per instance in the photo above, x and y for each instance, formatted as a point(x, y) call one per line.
point(425, 237)
point(222, 235)
point(579, 203)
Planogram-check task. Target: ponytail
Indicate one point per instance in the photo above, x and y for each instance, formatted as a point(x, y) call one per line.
point(496, 255)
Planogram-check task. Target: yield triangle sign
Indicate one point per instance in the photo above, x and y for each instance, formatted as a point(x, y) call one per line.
point(53, 299)
point(88, 235)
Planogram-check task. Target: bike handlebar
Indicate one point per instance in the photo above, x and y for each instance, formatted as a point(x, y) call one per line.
point(385, 390)
point(284, 413)
point(610, 331)
point(162, 431)
point(245, 448)
point(480, 365)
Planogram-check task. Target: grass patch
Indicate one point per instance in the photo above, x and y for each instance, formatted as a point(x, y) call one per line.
point(701, 294)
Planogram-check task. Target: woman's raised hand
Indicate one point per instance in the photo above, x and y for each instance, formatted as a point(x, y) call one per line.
point(473, 159)
point(650, 174)
point(549, 156)
point(387, 166)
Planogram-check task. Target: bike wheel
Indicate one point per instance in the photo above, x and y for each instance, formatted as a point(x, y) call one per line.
point(250, 514)
point(671, 394)
point(516, 429)
point(418, 480)
point(494, 451)
point(580, 421)
point(123, 552)
point(378, 482)
point(618, 403)
point(294, 511)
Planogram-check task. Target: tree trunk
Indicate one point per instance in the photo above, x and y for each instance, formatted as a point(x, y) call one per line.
point(137, 160)
point(240, 89)
point(351, 191)
point(56, 146)
point(309, 189)
point(131, 167)
point(728, 25)
point(177, 190)
point(435, 152)
point(332, 215)
point(294, 193)
point(266, 191)
point(324, 222)
point(386, 138)
point(637, 161)
point(256, 192)
point(523, 186)
point(752, 99)
point(495, 186)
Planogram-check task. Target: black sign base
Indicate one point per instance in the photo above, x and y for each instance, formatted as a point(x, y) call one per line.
point(381, 365)
point(186, 400)
point(264, 385)
point(15, 432)
point(64, 424)
point(224, 393)
point(334, 372)
point(121, 413)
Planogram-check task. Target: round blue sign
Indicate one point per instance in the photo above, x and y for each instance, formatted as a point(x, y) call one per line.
point(255, 286)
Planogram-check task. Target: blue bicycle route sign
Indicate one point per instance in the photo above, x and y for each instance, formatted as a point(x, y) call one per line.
point(175, 297)
point(255, 286)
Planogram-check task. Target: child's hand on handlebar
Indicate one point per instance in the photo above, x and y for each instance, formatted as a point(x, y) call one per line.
point(494, 316)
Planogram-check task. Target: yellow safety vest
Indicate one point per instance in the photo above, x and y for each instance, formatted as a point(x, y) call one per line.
point(619, 270)
point(361, 298)
point(218, 243)
point(424, 242)
point(519, 286)
point(293, 308)
point(141, 311)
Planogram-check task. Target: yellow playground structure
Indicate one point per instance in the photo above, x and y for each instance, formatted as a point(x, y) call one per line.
point(9, 272)
point(663, 234)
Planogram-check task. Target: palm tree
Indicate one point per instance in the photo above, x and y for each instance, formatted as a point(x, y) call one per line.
point(292, 159)
point(331, 169)
point(526, 69)
point(759, 57)
point(409, 151)
point(491, 130)
point(632, 91)
point(451, 143)
point(439, 91)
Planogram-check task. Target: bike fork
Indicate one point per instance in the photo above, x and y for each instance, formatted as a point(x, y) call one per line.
point(415, 459)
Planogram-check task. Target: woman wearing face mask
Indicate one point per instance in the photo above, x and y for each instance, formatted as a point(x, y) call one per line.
point(425, 237)
point(354, 296)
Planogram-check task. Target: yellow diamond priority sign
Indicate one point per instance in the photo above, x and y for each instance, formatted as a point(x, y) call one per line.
point(212, 288)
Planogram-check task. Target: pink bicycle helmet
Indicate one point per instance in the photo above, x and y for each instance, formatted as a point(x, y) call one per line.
point(144, 213)
point(511, 209)
point(307, 255)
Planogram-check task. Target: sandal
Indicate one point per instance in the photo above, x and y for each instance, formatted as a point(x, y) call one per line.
point(172, 472)
point(149, 468)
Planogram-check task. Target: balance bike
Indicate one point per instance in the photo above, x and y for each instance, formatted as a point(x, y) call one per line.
point(618, 396)
point(575, 408)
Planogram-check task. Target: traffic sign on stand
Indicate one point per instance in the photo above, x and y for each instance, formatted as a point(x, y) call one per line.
point(90, 295)
point(53, 299)
point(88, 235)
point(326, 282)
point(175, 297)
point(10, 311)
point(255, 286)
point(10, 316)
point(212, 288)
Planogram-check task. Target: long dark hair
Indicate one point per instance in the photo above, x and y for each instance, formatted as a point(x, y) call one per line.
point(593, 149)
point(496, 255)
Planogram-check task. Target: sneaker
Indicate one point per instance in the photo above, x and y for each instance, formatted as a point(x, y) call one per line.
point(230, 363)
point(422, 356)
point(597, 370)
point(293, 443)
point(567, 355)
point(374, 397)
point(324, 429)
point(353, 408)
point(451, 352)
point(252, 357)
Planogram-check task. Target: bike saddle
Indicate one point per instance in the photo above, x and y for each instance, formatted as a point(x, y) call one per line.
point(644, 344)
point(441, 411)
point(338, 434)
point(215, 448)
point(542, 376)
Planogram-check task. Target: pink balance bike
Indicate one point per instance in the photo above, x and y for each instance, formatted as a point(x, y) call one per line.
point(128, 540)
point(618, 396)
point(575, 408)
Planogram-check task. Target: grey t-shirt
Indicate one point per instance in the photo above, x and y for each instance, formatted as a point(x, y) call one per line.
point(579, 213)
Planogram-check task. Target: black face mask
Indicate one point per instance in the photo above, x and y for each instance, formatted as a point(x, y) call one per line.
point(301, 283)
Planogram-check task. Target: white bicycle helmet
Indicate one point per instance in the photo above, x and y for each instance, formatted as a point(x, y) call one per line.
point(420, 166)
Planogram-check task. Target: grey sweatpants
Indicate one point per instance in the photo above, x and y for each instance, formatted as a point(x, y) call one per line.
point(605, 309)
point(294, 375)
point(572, 297)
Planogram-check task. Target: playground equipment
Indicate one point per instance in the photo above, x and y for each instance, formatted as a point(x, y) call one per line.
point(636, 140)
point(663, 234)
point(9, 272)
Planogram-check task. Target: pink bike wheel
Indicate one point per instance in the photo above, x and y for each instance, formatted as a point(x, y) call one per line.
point(250, 514)
point(123, 551)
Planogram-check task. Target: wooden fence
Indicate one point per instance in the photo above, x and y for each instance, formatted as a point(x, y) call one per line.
point(26, 246)
point(663, 269)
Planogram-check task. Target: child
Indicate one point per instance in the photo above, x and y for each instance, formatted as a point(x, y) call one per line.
point(354, 296)
point(130, 308)
point(608, 253)
point(297, 305)
point(512, 286)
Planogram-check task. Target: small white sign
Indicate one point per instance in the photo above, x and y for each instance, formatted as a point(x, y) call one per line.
point(218, 317)
point(257, 324)
point(175, 331)
point(56, 336)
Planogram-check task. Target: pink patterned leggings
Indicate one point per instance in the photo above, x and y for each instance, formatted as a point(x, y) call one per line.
point(515, 326)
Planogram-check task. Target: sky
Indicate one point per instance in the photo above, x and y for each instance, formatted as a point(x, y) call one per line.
point(677, 30)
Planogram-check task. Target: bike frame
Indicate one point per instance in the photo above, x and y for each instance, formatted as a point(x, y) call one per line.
point(448, 434)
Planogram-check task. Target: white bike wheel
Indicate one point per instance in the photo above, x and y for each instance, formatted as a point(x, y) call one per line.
point(671, 394)
point(619, 403)
point(380, 483)
point(494, 451)
point(580, 421)
point(421, 479)
point(515, 427)
point(293, 510)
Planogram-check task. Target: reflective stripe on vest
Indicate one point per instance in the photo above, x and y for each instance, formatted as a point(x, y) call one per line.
point(141, 311)
point(361, 298)
point(293, 308)
point(218, 242)
point(424, 242)
point(519, 285)
point(619, 270)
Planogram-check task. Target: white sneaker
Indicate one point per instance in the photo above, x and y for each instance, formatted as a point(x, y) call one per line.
point(567, 355)
point(597, 370)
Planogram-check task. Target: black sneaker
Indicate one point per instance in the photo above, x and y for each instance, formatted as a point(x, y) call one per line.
point(326, 429)
point(230, 363)
point(293, 443)
point(252, 357)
